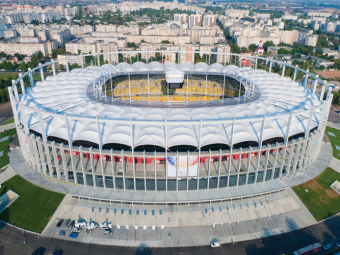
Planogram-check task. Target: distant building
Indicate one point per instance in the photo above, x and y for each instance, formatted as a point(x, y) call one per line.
point(209, 20)
point(181, 17)
point(222, 58)
point(195, 20)
point(72, 59)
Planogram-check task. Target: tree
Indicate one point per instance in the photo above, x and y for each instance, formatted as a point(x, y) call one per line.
point(132, 45)
point(23, 67)
point(61, 67)
point(39, 55)
point(268, 44)
point(79, 51)
point(166, 41)
point(322, 67)
point(3, 55)
point(75, 65)
point(252, 47)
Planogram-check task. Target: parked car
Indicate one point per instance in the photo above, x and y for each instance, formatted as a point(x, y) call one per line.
point(105, 225)
point(80, 223)
point(73, 235)
point(62, 233)
point(72, 224)
point(337, 244)
point(327, 246)
point(108, 232)
point(215, 244)
point(91, 225)
point(60, 222)
point(67, 222)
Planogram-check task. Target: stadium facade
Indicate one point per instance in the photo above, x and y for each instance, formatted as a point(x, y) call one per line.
point(122, 127)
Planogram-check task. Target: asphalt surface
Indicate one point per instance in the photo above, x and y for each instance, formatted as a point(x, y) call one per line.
point(5, 112)
point(12, 242)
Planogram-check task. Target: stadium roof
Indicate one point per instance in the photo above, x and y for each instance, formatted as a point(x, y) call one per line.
point(66, 93)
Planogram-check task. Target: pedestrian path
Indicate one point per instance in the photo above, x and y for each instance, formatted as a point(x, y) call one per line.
point(7, 173)
point(6, 127)
point(335, 164)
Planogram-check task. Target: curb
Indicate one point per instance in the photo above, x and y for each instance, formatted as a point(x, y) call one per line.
point(36, 233)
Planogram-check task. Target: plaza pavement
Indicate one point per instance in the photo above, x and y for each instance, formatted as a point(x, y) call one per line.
point(189, 225)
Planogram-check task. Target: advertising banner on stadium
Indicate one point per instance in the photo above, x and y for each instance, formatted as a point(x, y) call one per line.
point(172, 166)
point(181, 165)
point(193, 165)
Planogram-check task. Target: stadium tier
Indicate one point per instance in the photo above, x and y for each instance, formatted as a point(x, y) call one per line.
point(82, 126)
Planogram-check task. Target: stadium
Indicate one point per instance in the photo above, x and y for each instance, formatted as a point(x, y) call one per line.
point(170, 127)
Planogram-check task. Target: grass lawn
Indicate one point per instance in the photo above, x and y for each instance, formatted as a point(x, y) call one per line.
point(4, 146)
point(9, 122)
point(334, 141)
point(321, 200)
point(33, 208)
point(5, 75)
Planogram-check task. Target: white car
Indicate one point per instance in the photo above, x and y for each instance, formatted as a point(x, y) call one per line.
point(105, 225)
point(91, 225)
point(215, 244)
point(80, 223)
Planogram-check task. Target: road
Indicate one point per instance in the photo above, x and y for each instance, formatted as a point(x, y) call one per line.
point(5, 112)
point(12, 242)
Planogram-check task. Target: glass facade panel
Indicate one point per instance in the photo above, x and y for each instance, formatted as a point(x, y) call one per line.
point(203, 183)
point(109, 182)
point(99, 181)
point(277, 173)
point(213, 183)
point(251, 178)
point(119, 183)
point(171, 185)
point(233, 179)
point(260, 176)
point(192, 184)
point(140, 184)
point(129, 183)
point(223, 181)
point(161, 185)
point(182, 184)
point(89, 179)
point(80, 178)
point(150, 184)
point(269, 174)
point(242, 179)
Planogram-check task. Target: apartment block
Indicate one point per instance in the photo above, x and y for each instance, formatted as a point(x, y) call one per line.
point(110, 58)
point(148, 47)
point(195, 20)
point(224, 49)
point(181, 17)
point(27, 46)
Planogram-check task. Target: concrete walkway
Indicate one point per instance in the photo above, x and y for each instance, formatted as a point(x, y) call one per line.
point(6, 127)
point(335, 164)
point(22, 168)
point(7, 173)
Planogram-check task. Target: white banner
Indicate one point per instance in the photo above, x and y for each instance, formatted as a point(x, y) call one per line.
point(181, 166)
point(193, 165)
point(171, 161)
